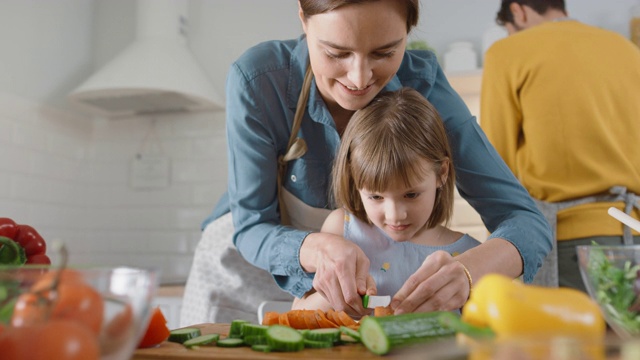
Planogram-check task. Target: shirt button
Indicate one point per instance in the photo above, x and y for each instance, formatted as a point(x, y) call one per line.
point(294, 178)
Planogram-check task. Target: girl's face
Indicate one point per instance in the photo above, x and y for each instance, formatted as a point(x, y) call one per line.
point(355, 50)
point(402, 213)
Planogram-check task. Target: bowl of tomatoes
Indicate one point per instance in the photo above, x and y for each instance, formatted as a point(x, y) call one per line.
point(74, 313)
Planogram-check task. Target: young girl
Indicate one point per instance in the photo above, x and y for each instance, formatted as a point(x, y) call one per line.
point(393, 184)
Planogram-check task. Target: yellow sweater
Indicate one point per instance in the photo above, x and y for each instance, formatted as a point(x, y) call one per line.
point(561, 104)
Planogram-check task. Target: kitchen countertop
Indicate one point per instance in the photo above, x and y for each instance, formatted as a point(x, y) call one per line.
point(446, 349)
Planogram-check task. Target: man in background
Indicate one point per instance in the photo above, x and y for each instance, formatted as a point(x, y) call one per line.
point(560, 102)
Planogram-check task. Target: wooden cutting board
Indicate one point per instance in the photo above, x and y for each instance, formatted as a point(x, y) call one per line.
point(445, 349)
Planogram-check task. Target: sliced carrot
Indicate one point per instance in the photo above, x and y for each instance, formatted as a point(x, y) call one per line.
point(310, 319)
point(332, 315)
point(323, 321)
point(346, 320)
point(283, 319)
point(296, 319)
point(270, 318)
point(382, 311)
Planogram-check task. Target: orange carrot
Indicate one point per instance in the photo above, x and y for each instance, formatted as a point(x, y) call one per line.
point(270, 318)
point(310, 319)
point(323, 321)
point(346, 320)
point(283, 319)
point(382, 311)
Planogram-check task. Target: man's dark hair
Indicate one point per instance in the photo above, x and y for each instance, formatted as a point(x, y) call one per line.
point(505, 16)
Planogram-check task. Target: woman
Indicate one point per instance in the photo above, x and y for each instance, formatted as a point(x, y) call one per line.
point(355, 50)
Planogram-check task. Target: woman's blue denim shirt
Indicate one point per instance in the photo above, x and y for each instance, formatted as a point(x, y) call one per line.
point(262, 90)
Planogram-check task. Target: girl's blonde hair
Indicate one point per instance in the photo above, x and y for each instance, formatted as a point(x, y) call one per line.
point(382, 145)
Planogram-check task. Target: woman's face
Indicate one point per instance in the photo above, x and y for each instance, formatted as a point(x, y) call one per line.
point(355, 50)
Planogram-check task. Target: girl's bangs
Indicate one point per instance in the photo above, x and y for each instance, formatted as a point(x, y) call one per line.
point(381, 165)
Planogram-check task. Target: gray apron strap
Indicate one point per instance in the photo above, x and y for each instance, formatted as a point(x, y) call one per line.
point(547, 275)
point(631, 200)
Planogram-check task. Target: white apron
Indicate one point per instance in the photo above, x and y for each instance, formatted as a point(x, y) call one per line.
point(222, 286)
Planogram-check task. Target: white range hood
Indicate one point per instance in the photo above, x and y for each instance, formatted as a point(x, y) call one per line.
point(155, 74)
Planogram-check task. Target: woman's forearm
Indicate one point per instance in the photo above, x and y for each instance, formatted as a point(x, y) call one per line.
point(493, 256)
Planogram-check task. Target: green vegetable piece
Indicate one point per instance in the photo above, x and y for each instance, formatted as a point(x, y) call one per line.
point(11, 253)
point(381, 334)
point(312, 344)
point(455, 323)
point(249, 329)
point(284, 338)
point(230, 342)
point(353, 334)
point(6, 311)
point(330, 335)
point(235, 331)
point(201, 340)
point(255, 340)
point(261, 348)
point(184, 334)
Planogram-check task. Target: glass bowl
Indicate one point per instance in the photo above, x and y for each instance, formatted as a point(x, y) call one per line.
point(611, 274)
point(78, 313)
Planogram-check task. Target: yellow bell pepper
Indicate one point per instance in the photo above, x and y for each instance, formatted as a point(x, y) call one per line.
point(513, 309)
point(534, 322)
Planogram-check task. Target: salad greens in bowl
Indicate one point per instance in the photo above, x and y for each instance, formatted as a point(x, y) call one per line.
point(611, 274)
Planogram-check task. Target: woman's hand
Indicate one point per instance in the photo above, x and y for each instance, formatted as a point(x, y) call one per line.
point(341, 271)
point(439, 284)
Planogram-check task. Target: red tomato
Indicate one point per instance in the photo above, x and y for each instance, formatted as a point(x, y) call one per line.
point(56, 339)
point(157, 330)
point(73, 300)
point(30, 240)
point(8, 228)
point(66, 276)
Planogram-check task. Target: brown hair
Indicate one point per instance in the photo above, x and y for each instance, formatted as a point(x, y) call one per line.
point(381, 146)
point(504, 15)
point(315, 7)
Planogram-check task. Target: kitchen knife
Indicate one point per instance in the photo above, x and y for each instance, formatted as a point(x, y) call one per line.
point(373, 301)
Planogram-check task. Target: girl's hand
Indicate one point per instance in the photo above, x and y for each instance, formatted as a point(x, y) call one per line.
point(439, 284)
point(341, 271)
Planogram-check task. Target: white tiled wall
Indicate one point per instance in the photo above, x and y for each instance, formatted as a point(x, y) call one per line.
point(68, 176)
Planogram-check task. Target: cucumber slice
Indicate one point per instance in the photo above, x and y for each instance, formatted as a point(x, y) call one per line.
point(381, 334)
point(284, 338)
point(230, 342)
point(312, 344)
point(249, 329)
point(261, 348)
point(201, 340)
point(184, 334)
point(346, 339)
point(235, 330)
point(255, 340)
point(350, 332)
point(331, 335)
